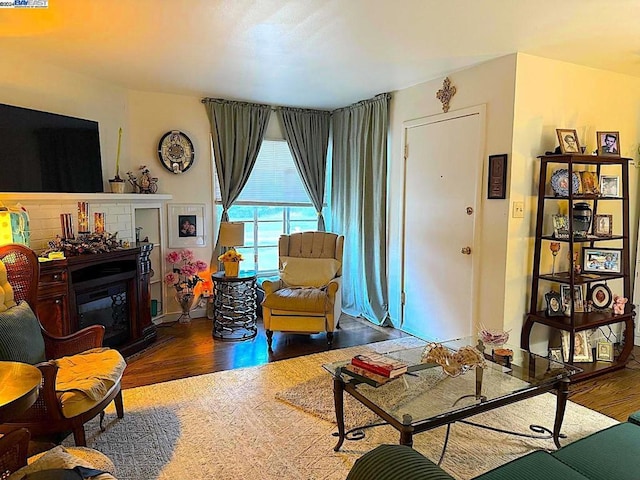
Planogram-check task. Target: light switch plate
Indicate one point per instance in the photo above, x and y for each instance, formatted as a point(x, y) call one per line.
point(518, 210)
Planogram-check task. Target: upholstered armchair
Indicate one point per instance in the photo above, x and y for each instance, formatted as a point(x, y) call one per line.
point(306, 298)
point(79, 378)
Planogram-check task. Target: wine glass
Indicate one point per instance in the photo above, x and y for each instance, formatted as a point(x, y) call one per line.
point(555, 248)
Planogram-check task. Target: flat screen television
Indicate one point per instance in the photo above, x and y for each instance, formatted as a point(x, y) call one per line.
point(46, 152)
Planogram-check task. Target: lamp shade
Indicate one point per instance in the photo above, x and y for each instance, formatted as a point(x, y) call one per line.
point(231, 234)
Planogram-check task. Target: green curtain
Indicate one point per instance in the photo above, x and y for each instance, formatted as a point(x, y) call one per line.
point(237, 130)
point(307, 134)
point(358, 204)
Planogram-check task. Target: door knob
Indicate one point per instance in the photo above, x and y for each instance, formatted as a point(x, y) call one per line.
point(466, 251)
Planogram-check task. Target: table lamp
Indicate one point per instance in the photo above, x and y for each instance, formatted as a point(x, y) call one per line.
point(231, 235)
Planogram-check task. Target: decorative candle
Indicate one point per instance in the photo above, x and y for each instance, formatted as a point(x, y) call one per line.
point(66, 225)
point(98, 220)
point(83, 217)
point(118, 155)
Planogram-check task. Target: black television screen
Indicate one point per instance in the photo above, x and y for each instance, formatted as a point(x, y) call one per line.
point(46, 152)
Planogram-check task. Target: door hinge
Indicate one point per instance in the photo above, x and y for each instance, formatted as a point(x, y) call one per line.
point(406, 151)
point(403, 298)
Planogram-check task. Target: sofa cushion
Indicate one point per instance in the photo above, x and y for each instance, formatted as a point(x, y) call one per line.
point(538, 465)
point(607, 454)
point(20, 336)
point(312, 300)
point(308, 272)
point(390, 462)
point(635, 418)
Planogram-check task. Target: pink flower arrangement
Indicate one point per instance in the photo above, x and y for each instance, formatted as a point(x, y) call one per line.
point(184, 275)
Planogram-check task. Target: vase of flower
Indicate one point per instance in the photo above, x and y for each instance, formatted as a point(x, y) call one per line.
point(231, 261)
point(184, 277)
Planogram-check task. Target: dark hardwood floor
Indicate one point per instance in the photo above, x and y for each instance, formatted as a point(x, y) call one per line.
point(184, 350)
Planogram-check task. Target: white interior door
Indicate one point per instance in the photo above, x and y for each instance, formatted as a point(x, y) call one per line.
point(442, 180)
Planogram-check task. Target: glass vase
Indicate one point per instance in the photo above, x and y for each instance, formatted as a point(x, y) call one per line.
point(185, 299)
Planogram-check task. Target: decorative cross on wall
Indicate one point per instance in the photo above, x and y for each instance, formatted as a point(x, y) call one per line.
point(445, 94)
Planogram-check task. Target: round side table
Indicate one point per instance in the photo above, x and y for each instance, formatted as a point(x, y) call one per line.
point(19, 386)
point(234, 306)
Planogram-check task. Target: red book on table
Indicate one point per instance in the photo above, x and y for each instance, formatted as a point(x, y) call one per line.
point(378, 363)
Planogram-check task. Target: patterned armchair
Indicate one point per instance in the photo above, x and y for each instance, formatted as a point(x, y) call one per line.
point(306, 298)
point(79, 378)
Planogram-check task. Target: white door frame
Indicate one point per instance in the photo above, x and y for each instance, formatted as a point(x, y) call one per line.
point(479, 110)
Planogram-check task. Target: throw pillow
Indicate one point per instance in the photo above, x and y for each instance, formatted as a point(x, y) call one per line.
point(56, 458)
point(308, 272)
point(20, 336)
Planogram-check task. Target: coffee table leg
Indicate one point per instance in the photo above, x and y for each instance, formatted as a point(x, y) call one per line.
point(406, 434)
point(561, 403)
point(338, 400)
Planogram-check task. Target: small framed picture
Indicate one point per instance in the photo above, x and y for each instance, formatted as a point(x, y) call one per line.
point(497, 187)
point(576, 302)
point(589, 183)
point(600, 295)
point(602, 225)
point(581, 350)
point(608, 144)
point(568, 140)
point(604, 351)
point(187, 225)
point(610, 185)
point(555, 354)
point(560, 226)
point(602, 260)
point(554, 304)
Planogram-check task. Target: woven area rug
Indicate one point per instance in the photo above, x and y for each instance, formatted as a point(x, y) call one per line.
point(230, 425)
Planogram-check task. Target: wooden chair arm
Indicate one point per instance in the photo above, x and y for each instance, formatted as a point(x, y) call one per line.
point(13, 450)
point(85, 339)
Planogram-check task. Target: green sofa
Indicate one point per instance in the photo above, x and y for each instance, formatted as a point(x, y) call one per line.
point(611, 454)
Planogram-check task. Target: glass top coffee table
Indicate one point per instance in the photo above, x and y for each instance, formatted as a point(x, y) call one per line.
point(425, 397)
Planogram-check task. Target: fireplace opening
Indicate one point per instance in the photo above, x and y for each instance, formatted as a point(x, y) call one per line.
point(107, 306)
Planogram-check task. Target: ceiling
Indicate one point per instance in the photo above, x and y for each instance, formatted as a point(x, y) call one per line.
point(313, 53)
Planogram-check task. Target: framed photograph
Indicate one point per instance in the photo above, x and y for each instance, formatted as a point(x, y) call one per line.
point(576, 302)
point(610, 185)
point(555, 355)
point(589, 183)
point(497, 187)
point(581, 350)
point(602, 260)
point(560, 226)
point(608, 144)
point(568, 140)
point(602, 225)
point(554, 304)
point(600, 295)
point(604, 351)
point(187, 225)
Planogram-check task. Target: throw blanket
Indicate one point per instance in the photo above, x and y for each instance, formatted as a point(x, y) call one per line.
point(92, 372)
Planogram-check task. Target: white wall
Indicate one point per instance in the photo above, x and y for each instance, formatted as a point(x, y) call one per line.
point(491, 83)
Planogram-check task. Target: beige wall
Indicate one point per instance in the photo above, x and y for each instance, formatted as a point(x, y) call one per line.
point(492, 84)
point(550, 95)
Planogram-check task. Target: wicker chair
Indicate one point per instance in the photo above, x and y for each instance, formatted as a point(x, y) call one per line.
point(13, 451)
point(46, 416)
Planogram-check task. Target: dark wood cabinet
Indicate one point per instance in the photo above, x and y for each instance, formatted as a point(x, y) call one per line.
point(545, 280)
point(65, 284)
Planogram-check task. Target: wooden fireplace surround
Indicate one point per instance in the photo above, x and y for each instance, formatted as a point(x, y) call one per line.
point(57, 309)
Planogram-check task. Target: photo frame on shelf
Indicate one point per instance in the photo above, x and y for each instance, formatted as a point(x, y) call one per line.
point(600, 296)
point(568, 139)
point(577, 302)
point(589, 183)
point(560, 226)
point(582, 349)
point(602, 260)
point(610, 185)
point(497, 186)
point(554, 304)
point(555, 354)
point(604, 351)
point(608, 144)
point(603, 225)
point(187, 225)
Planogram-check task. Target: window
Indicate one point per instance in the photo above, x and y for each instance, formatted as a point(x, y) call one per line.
point(273, 202)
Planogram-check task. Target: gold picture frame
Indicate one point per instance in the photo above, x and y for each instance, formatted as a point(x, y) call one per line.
point(608, 144)
point(604, 351)
point(568, 139)
point(603, 225)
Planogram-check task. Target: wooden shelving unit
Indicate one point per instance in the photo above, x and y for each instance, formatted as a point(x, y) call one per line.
point(542, 282)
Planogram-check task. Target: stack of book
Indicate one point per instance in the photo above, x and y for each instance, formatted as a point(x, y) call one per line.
point(376, 367)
